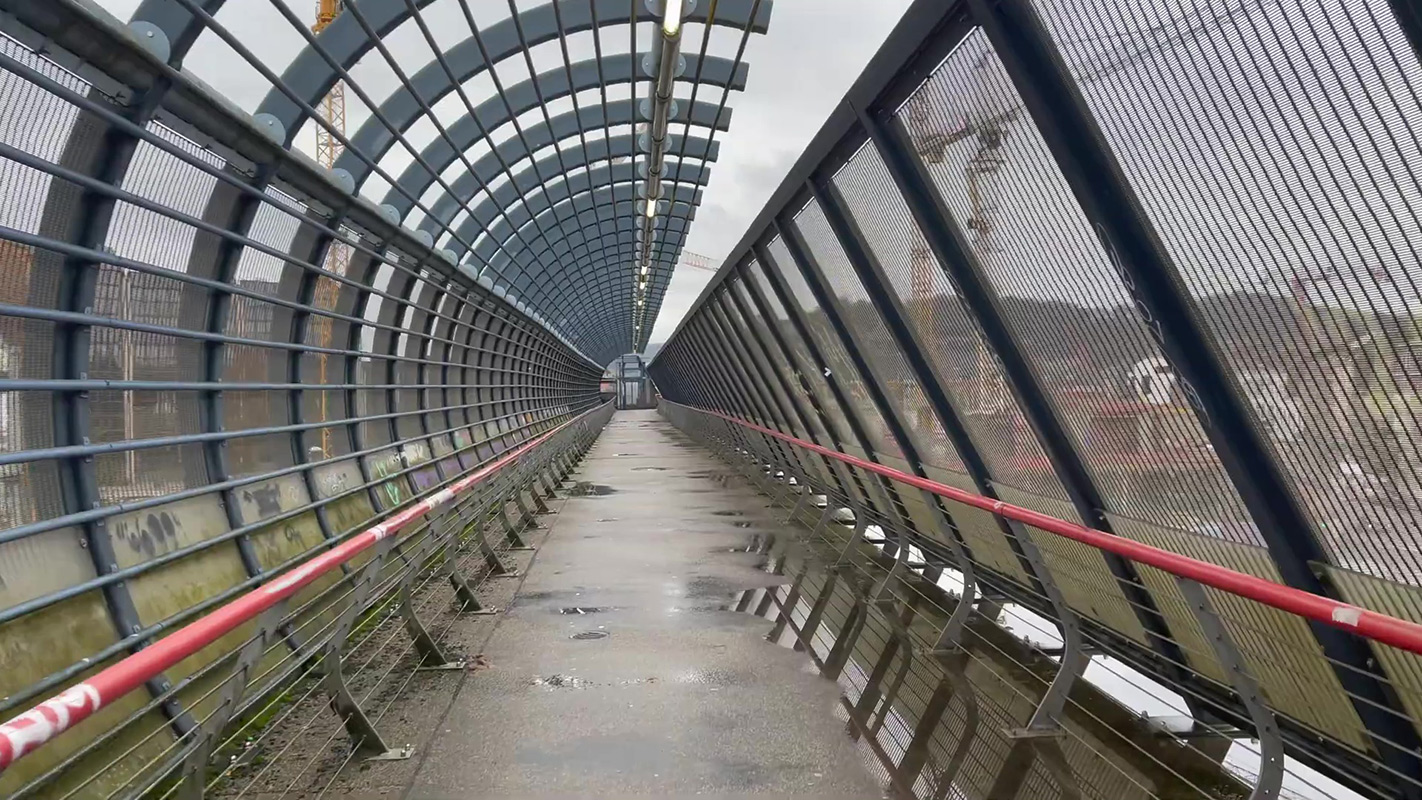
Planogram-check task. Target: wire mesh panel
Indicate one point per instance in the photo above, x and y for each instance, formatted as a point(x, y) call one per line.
point(796, 392)
point(878, 347)
point(198, 394)
point(1272, 148)
point(1128, 414)
point(827, 342)
point(803, 366)
point(936, 724)
point(1064, 301)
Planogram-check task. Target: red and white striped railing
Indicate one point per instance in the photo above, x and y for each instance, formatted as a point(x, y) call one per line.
point(27, 732)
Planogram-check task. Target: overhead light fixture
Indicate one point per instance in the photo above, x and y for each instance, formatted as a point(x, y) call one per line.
point(671, 18)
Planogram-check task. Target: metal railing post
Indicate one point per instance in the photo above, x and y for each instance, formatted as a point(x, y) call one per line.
point(460, 517)
point(952, 657)
point(875, 487)
point(366, 739)
point(886, 495)
point(718, 341)
point(483, 515)
point(432, 656)
point(833, 469)
point(771, 392)
point(1266, 728)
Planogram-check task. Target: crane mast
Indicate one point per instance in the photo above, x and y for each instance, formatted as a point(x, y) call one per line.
point(338, 255)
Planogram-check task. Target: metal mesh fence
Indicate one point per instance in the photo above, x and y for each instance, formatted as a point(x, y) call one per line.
point(167, 323)
point(1076, 322)
point(827, 341)
point(1271, 146)
point(875, 342)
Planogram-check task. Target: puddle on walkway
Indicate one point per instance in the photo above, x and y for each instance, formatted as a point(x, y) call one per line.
point(757, 543)
point(705, 587)
point(585, 489)
point(584, 636)
point(649, 469)
point(585, 609)
point(714, 678)
point(560, 681)
point(728, 513)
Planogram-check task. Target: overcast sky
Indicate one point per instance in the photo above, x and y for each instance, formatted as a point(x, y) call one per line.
point(798, 71)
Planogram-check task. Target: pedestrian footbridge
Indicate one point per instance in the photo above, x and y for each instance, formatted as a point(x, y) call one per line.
point(1051, 432)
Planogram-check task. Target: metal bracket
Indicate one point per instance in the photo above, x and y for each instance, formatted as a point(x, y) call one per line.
point(1266, 728)
point(527, 519)
point(495, 565)
point(903, 642)
point(530, 475)
point(425, 644)
point(805, 492)
point(950, 639)
point(955, 670)
point(792, 599)
point(844, 642)
point(268, 629)
point(547, 481)
point(511, 533)
point(1074, 659)
point(367, 739)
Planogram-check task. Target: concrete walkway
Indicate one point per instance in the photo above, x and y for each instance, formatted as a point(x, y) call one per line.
point(619, 669)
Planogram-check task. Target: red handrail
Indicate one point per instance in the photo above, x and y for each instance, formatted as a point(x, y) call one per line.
point(23, 734)
point(1392, 631)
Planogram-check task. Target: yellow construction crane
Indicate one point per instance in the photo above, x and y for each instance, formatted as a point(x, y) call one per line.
point(338, 255)
point(333, 108)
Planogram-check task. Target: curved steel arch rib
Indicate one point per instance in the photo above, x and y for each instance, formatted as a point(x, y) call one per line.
point(464, 187)
point(597, 235)
point(594, 267)
point(312, 77)
point(375, 140)
point(415, 179)
point(588, 309)
point(511, 207)
point(601, 237)
point(530, 189)
point(616, 247)
point(309, 77)
point(605, 257)
point(594, 271)
point(528, 95)
point(584, 208)
point(608, 264)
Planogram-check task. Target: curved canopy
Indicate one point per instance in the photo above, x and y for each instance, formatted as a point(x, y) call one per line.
point(536, 179)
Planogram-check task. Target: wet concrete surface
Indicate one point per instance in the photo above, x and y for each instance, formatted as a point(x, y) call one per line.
point(665, 690)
